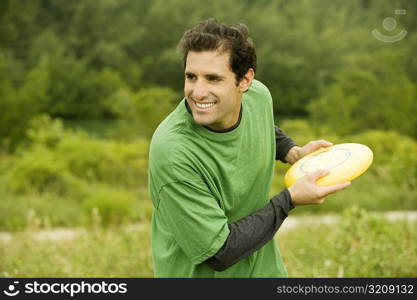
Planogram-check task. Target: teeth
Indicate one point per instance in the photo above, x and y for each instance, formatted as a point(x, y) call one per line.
point(205, 105)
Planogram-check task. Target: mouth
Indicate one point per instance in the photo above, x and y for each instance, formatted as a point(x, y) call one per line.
point(203, 106)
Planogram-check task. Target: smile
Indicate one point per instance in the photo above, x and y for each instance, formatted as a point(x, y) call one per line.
point(204, 105)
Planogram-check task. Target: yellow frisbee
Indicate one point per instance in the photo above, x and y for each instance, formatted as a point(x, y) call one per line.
point(344, 161)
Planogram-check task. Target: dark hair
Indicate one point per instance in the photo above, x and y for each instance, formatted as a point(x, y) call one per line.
point(210, 35)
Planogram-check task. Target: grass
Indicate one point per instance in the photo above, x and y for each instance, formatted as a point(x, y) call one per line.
point(359, 246)
point(99, 252)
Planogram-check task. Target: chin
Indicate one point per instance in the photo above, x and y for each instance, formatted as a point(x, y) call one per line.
point(203, 122)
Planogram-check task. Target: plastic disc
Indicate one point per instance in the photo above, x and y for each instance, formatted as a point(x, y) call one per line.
point(344, 161)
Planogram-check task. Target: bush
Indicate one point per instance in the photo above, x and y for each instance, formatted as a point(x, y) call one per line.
point(40, 169)
point(369, 95)
point(109, 206)
point(18, 105)
point(111, 162)
point(141, 112)
point(395, 156)
point(79, 90)
point(64, 176)
point(47, 132)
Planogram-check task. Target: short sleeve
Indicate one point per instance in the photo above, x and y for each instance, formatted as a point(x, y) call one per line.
point(194, 218)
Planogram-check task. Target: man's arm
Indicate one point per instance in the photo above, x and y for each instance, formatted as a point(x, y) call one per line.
point(255, 230)
point(288, 151)
point(252, 232)
point(283, 146)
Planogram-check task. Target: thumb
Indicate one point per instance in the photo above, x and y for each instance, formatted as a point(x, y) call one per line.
point(315, 145)
point(324, 143)
point(318, 174)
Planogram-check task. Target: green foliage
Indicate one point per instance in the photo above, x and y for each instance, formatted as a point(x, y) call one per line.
point(19, 106)
point(141, 112)
point(361, 245)
point(369, 95)
point(39, 169)
point(395, 157)
point(78, 90)
point(111, 162)
point(64, 171)
point(115, 163)
point(319, 60)
point(110, 206)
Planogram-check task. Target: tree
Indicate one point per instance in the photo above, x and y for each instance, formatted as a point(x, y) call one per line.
point(369, 95)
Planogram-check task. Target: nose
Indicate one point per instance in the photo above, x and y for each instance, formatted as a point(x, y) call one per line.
point(199, 90)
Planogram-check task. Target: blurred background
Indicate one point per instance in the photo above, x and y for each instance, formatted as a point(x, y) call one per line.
point(83, 85)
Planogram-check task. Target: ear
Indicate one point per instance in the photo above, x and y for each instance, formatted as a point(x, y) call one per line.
point(246, 81)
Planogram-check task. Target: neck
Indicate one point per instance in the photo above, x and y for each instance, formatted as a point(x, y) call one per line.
point(223, 130)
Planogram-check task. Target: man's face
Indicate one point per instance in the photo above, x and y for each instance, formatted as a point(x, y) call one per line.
point(211, 91)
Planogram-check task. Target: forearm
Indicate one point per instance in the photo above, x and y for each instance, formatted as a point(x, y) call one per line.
point(252, 232)
point(283, 146)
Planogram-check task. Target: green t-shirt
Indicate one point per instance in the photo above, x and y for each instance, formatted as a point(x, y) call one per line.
point(201, 180)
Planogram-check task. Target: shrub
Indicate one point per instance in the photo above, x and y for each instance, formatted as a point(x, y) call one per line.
point(369, 95)
point(141, 112)
point(115, 163)
point(395, 156)
point(64, 176)
point(90, 159)
point(39, 169)
point(109, 206)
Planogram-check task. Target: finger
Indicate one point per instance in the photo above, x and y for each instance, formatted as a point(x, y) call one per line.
point(326, 190)
point(318, 174)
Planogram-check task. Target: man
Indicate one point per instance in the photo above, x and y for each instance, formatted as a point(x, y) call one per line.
point(211, 166)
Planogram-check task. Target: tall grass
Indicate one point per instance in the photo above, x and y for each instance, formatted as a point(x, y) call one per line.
point(96, 252)
point(361, 245)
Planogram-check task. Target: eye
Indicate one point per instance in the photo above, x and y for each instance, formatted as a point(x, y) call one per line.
point(190, 76)
point(214, 78)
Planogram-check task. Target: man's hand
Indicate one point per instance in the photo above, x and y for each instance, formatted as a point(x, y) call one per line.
point(297, 152)
point(305, 190)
